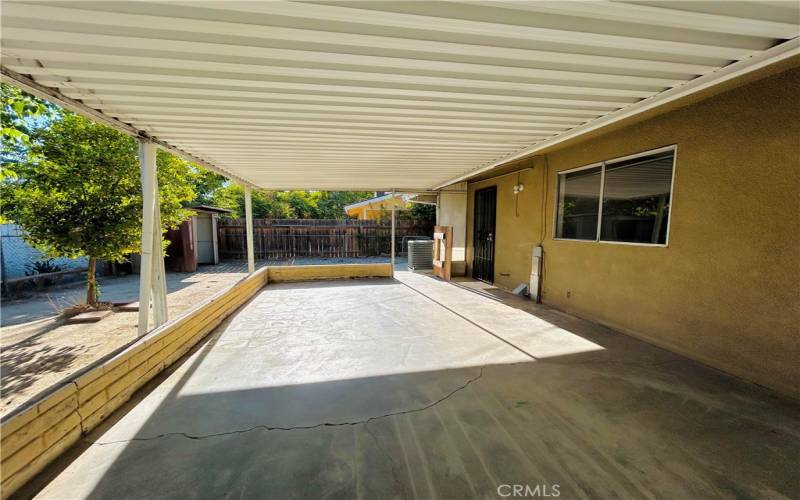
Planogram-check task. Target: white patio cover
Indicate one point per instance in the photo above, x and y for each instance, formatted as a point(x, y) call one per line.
point(379, 95)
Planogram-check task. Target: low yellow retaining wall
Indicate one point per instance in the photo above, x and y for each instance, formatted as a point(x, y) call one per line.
point(40, 431)
point(280, 274)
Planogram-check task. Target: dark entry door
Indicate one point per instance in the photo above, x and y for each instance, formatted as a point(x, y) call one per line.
point(483, 240)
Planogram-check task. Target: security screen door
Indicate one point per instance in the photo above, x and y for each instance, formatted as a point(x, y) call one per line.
point(483, 240)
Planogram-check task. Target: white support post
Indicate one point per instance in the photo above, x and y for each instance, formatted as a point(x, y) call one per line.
point(394, 209)
point(152, 285)
point(159, 281)
point(147, 165)
point(248, 214)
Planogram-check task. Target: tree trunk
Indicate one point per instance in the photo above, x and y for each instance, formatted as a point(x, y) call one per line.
point(91, 283)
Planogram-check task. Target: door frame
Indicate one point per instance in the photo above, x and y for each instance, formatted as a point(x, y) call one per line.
point(489, 279)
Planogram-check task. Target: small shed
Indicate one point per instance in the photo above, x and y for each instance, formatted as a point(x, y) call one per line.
point(195, 241)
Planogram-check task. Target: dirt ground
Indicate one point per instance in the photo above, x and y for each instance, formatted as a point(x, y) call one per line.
point(31, 365)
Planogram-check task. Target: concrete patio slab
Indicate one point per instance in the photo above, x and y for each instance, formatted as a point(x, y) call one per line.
point(416, 388)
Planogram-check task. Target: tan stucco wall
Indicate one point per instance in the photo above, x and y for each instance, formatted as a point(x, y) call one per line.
point(726, 291)
point(452, 211)
point(518, 226)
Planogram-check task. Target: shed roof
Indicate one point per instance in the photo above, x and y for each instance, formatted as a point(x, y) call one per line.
point(378, 95)
point(209, 208)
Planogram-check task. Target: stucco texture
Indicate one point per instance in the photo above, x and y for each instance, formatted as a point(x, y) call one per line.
point(518, 223)
point(726, 290)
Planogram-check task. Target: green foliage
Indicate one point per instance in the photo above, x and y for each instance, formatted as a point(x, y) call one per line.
point(332, 203)
point(302, 204)
point(205, 183)
point(288, 204)
point(19, 112)
point(82, 195)
point(265, 203)
point(43, 266)
point(419, 213)
point(423, 213)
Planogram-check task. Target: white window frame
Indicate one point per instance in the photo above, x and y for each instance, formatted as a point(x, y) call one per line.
point(602, 164)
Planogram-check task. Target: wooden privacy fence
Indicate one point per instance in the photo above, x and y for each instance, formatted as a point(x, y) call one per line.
point(288, 238)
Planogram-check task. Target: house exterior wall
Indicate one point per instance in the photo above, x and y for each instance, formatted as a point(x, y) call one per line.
point(726, 290)
point(453, 212)
point(518, 224)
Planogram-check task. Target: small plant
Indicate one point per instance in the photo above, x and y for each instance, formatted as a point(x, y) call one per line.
point(41, 267)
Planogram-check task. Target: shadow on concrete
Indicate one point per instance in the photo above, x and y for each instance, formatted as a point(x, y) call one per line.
point(628, 420)
point(451, 434)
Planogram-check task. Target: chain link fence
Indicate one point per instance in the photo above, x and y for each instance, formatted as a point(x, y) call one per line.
point(18, 259)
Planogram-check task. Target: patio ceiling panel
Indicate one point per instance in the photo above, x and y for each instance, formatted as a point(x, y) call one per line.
point(379, 95)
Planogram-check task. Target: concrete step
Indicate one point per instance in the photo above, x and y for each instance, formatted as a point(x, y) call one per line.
point(127, 306)
point(89, 316)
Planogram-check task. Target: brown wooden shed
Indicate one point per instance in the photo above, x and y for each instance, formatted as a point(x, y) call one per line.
point(195, 241)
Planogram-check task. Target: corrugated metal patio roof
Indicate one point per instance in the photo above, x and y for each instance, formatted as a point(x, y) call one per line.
point(381, 95)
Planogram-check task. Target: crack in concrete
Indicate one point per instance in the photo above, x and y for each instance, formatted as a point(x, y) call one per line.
point(299, 427)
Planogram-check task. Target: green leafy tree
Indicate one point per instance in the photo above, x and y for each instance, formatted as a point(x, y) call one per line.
point(205, 184)
point(302, 204)
point(266, 204)
point(82, 194)
point(331, 203)
point(19, 113)
point(289, 204)
point(423, 214)
point(228, 197)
